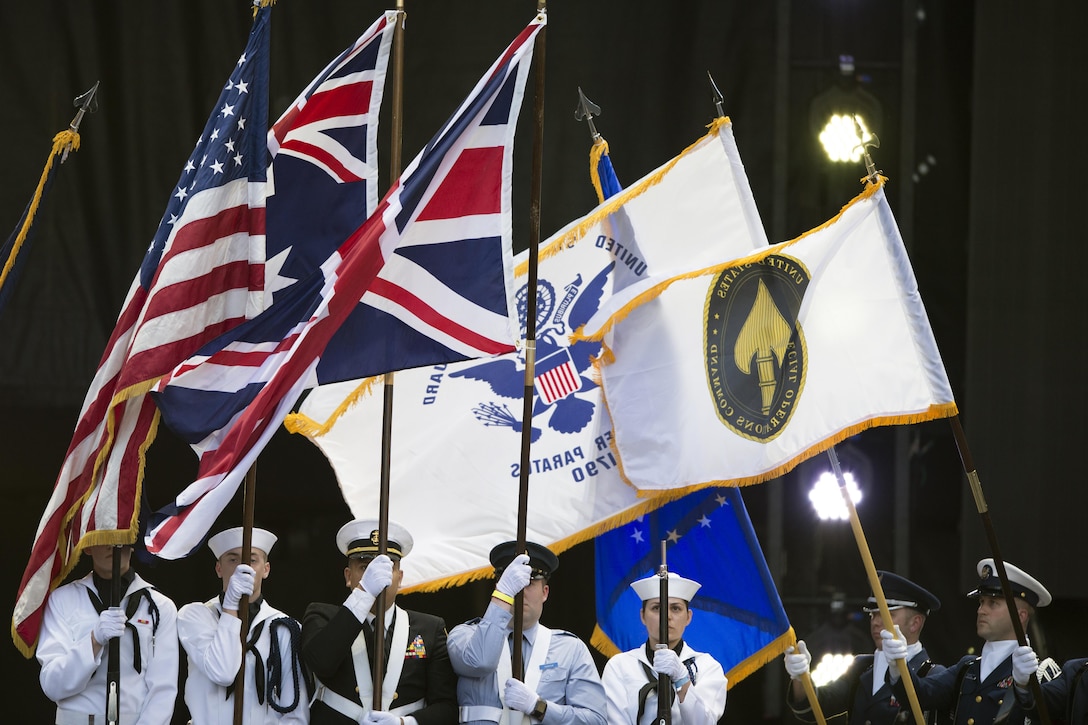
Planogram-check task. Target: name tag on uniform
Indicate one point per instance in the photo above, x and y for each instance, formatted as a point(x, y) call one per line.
point(549, 665)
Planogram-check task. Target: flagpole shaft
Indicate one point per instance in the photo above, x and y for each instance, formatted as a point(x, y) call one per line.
point(813, 699)
point(396, 142)
point(113, 669)
point(874, 582)
point(249, 494)
point(999, 563)
point(530, 331)
point(664, 682)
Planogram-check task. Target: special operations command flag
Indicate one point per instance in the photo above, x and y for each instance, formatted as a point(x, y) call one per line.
point(736, 373)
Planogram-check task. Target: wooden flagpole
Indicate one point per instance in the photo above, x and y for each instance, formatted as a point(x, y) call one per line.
point(999, 563)
point(248, 496)
point(874, 581)
point(530, 329)
point(396, 142)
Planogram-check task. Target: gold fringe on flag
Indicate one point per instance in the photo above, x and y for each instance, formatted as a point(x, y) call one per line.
point(600, 148)
point(577, 232)
point(65, 141)
point(307, 426)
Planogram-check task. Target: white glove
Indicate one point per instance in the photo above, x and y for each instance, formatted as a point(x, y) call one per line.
point(518, 696)
point(1024, 664)
point(894, 645)
point(111, 623)
point(894, 649)
point(515, 576)
point(378, 575)
point(667, 662)
point(241, 582)
point(379, 717)
point(797, 660)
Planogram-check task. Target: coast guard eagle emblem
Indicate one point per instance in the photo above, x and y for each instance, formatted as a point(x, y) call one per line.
point(754, 347)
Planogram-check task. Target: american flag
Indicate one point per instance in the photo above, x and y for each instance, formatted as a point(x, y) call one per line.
point(434, 258)
point(201, 275)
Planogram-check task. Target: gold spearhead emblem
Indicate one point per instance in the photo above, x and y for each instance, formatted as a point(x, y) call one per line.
point(764, 336)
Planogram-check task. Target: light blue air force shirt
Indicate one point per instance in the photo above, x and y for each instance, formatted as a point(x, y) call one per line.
point(569, 681)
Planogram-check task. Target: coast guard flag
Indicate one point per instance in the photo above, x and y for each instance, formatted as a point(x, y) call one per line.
point(201, 275)
point(737, 372)
point(436, 256)
point(738, 616)
point(456, 440)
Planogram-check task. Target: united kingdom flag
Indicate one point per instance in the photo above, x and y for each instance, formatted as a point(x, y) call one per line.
point(434, 264)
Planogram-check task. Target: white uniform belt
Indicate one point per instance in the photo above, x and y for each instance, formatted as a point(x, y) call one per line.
point(470, 713)
point(354, 710)
point(71, 717)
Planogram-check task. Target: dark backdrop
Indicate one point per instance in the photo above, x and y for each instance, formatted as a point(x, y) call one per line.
point(981, 108)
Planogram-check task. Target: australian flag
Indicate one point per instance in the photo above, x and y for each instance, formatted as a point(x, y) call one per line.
point(433, 266)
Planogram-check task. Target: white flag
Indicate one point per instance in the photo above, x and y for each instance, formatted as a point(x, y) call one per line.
point(456, 441)
point(736, 373)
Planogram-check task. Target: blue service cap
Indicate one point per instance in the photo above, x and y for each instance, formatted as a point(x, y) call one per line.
point(541, 559)
point(902, 592)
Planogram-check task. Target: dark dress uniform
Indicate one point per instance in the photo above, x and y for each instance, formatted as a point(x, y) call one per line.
point(1066, 697)
point(852, 695)
point(328, 631)
point(959, 691)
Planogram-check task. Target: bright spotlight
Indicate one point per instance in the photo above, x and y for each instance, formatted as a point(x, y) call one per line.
point(832, 112)
point(830, 668)
point(826, 497)
point(841, 140)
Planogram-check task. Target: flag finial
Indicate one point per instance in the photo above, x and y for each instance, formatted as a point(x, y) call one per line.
point(86, 103)
point(872, 174)
point(585, 111)
point(716, 96)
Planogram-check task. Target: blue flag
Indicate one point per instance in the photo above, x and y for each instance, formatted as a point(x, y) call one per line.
point(738, 615)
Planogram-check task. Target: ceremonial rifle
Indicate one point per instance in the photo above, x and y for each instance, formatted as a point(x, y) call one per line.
point(664, 682)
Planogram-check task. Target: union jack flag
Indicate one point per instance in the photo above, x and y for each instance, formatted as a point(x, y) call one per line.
point(435, 259)
point(202, 275)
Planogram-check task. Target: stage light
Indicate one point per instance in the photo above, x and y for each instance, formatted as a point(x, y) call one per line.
point(845, 116)
point(829, 668)
point(826, 497)
point(844, 137)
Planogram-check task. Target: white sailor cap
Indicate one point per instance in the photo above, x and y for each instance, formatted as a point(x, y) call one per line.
point(679, 587)
point(1023, 585)
point(224, 541)
point(359, 539)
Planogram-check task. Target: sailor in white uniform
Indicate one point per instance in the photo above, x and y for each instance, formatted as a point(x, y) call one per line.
point(697, 679)
point(275, 688)
point(72, 647)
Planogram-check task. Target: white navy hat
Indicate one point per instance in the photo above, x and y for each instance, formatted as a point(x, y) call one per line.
point(679, 587)
point(359, 539)
point(224, 541)
point(1023, 585)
